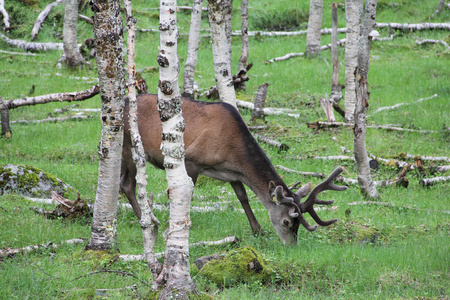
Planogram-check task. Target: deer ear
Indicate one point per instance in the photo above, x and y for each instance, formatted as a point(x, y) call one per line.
point(272, 187)
point(304, 190)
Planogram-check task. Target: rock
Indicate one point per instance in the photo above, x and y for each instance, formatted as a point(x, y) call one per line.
point(239, 265)
point(31, 181)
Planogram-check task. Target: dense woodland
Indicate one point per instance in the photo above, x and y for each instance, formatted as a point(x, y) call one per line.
point(389, 243)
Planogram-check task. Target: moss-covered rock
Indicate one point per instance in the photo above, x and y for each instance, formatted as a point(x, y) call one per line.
point(31, 181)
point(241, 265)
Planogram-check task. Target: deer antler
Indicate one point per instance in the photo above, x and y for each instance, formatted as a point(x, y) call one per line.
point(308, 205)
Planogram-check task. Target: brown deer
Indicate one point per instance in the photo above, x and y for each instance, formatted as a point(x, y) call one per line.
point(218, 144)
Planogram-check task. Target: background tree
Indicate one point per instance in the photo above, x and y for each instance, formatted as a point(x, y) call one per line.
point(245, 44)
point(175, 276)
point(73, 57)
point(353, 15)
point(221, 46)
point(314, 26)
point(110, 65)
point(191, 59)
point(362, 97)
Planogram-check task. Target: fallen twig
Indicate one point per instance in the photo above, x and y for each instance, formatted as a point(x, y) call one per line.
point(432, 181)
point(321, 125)
point(269, 141)
point(53, 120)
point(227, 240)
point(8, 252)
point(61, 97)
point(401, 104)
point(393, 205)
point(291, 55)
point(31, 46)
point(413, 27)
point(268, 110)
point(429, 41)
point(313, 174)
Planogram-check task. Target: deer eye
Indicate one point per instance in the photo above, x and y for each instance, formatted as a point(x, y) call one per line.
point(285, 222)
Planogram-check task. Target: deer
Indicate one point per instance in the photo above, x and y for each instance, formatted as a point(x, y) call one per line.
point(218, 144)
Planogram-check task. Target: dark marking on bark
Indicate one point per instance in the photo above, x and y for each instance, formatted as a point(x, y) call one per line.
point(162, 61)
point(166, 87)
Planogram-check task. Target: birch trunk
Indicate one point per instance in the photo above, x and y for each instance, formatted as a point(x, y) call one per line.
point(175, 276)
point(221, 50)
point(336, 89)
point(110, 65)
point(191, 59)
point(353, 14)
point(4, 116)
point(72, 54)
point(314, 25)
point(244, 39)
point(149, 223)
point(362, 96)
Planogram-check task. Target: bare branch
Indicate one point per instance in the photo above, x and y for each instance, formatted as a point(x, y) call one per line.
point(41, 18)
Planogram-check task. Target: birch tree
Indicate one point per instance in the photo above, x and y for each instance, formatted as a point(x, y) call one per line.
point(73, 57)
point(314, 26)
point(221, 46)
point(149, 223)
point(244, 39)
point(175, 276)
point(362, 97)
point(353, 15)
point(191, 59)
point(110, 65)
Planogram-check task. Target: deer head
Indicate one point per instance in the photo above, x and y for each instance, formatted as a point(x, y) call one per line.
point(287, 220)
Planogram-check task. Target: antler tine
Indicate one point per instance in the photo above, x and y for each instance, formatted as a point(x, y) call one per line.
point(281, 197)
point(328, 184)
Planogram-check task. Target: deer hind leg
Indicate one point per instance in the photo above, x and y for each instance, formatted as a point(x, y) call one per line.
point(128, 182)
point(239, 189)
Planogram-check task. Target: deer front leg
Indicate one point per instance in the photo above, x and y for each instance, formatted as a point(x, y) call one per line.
point(239, 189)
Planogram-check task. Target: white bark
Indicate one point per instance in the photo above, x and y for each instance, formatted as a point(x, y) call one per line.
point(149, 223)
point(353, 14)
point(10, 252)
point(41, 18)
point(291, 55)
point(72, 53)
point(175, 276)
point(314, 25)
point(362, 97)
point(191, 59)
point(221, 51)
point(336, 89)
point(110, 65)
point(30, 46)
point(430, 41)
point(4, 13)
point(414, 27)
point(401, 104)
point(75, 96)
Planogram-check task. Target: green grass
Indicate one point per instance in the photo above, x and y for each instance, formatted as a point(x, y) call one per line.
point(372, 252)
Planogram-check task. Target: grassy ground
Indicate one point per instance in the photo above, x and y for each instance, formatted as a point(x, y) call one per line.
point(373, 251)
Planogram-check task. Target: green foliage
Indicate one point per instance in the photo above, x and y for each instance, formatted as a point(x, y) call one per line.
point(373, 251)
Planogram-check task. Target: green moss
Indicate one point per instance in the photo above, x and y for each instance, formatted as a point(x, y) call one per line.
point(240, 265)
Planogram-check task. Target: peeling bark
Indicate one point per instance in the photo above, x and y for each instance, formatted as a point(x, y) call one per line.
point(362, 97)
